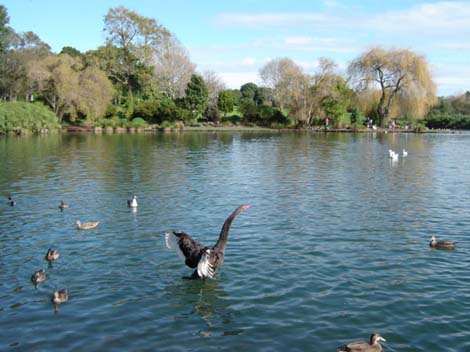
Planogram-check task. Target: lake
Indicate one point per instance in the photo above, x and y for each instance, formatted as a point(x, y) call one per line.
point(334, 247)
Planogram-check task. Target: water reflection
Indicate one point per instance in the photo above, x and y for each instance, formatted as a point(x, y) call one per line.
point(207, 299)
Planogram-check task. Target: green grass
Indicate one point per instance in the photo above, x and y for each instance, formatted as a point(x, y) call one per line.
point(23, 117)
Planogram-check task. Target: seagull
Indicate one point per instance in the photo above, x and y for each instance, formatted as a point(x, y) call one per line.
point(133, 203)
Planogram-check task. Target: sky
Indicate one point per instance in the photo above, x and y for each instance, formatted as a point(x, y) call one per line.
point(235, 39)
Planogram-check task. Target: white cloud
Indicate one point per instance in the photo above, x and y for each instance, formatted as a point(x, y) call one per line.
point(234, 80)
point(248, 61)
point(248, 19)
point(437, 30)
point(427, 20)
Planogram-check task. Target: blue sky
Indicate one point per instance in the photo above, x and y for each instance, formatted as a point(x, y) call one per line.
point(236, 38)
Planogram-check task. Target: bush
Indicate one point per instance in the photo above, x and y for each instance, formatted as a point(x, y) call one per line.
point(158, 111)
point(137, 122)
point(448, 121)
point(18, 117)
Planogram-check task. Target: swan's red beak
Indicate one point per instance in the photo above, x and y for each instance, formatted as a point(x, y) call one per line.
point(245, 207)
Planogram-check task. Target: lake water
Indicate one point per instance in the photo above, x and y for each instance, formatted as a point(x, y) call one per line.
point(333, 247)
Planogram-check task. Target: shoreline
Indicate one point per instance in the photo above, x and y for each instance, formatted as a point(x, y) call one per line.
point(121, 130)
point(208, 128)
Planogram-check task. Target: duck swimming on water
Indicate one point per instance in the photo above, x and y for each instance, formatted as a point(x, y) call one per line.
point(60, 296)
point(87, 225)
point(38, 277)
point(52, 255)
point(363, 346)
point(441, 244)
point(205, 260)
point(63, 205)
point(11, 201)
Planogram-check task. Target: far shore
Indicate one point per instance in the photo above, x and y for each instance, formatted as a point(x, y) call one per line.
point(235, 128)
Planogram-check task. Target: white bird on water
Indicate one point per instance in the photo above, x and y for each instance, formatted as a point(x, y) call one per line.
point(393, 155)
point(132, 203)
point(405, 153)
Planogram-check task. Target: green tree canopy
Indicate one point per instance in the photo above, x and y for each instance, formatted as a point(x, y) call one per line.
point(248, 91)
point(226, 101)
point(132, 42)
point(196, 95)
point(4, 29)
point(71, 51)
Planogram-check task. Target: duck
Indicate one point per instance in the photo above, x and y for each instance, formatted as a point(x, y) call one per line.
point(404, 153)
point(63, 205)
point(87, 225)
point(11, 201)
point(132, 203)
point(363, 346)
point(441, 244)
point(38, 277)
point(206, 261)
point(60, 296)
point(52, 255)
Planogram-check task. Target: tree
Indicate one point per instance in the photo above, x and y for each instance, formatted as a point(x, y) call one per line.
point(196, 96)
point(399, 74)
point(226, 101)
point(264, 96)
point(132, 41)
point(173, 69)
point(214, 86)
point(21, 49)
point(4, 29)
point(70, 89)
point(248, 91)
point(330, 94)
point(285, 78)
point(71, 51)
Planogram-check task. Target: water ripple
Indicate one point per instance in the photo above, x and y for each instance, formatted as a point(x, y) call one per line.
point(334, 246)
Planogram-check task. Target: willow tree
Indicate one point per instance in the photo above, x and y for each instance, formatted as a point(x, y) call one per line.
point(401, 76)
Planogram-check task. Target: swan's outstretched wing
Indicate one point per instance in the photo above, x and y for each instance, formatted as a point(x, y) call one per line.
point(206, 267)
point(187, 249)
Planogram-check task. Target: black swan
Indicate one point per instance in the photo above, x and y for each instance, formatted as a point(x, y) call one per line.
point(205, 260)
point(363, 346)
point(441, 244)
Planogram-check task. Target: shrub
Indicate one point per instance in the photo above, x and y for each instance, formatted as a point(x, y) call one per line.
point(137, 122)
point(16, 116)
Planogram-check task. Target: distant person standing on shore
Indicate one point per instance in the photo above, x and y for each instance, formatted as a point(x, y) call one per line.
point(327, 122)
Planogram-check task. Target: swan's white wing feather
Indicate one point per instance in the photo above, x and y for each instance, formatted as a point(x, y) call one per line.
point(172, 243)
point(205, 268)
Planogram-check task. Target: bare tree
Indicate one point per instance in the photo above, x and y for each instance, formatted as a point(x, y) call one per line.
point(214, 86)
point(173, 69)
point(285, 78)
